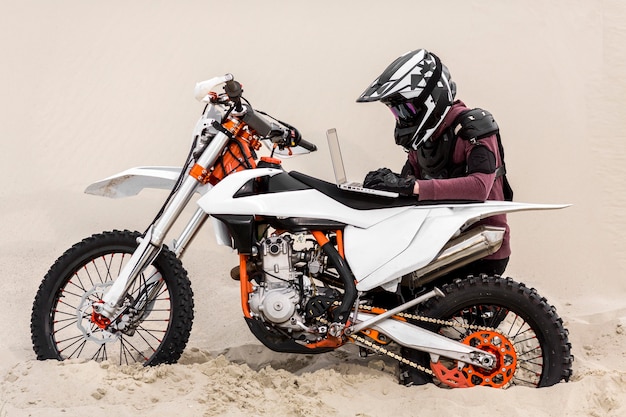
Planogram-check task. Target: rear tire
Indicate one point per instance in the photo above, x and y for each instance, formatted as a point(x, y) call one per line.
point(61, 323)
point(519, 313)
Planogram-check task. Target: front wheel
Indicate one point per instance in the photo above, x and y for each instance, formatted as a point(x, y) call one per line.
point(154, 328)
point(523, 322)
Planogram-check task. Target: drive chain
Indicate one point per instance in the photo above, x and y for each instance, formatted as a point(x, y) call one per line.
point(433, 320)
point(384, 351)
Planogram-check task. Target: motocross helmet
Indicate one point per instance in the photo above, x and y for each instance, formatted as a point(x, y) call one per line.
point(419, 91)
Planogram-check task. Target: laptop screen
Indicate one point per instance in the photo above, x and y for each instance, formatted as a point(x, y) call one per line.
point(335, 156)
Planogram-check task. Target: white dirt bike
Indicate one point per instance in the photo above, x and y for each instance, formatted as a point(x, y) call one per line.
point(319, 267)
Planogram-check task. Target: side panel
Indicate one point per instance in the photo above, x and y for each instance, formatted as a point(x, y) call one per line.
point(222, 235)
point(435, 232)
point(367, 249)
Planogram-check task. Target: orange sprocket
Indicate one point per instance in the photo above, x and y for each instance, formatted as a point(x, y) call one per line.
point(469, 375)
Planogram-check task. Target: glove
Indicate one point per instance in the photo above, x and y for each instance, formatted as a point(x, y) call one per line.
point(375, 177)
point(385, 179)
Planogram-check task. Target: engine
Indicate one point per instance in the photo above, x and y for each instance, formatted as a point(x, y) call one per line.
point(287, 295)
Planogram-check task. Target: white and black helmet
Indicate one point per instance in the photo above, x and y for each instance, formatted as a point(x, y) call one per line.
point(418, 89)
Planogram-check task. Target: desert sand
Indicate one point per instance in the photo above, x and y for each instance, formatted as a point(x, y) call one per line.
point(92, 88)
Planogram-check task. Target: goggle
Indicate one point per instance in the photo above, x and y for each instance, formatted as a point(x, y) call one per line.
point(403, 111)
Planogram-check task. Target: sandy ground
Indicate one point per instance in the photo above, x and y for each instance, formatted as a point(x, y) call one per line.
point(90, 89)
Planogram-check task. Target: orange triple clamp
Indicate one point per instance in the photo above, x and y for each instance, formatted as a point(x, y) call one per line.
point(199, 173)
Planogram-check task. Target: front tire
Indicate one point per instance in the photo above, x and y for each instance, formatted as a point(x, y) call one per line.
point(62, 326)
point(517, 312)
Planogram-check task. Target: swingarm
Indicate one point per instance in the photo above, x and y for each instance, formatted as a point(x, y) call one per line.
point(415, 337)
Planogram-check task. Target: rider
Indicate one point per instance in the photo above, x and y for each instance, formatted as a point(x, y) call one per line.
point(454, 152)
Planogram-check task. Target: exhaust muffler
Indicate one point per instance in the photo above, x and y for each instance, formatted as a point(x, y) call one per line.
point(468, 247)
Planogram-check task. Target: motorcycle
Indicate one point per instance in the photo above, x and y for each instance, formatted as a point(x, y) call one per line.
point(319, 267)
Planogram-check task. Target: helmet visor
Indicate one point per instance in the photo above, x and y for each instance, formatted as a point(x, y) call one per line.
point(402, 111)
point(406, 113)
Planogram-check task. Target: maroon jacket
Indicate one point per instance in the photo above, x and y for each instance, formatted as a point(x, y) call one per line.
point(476, 186)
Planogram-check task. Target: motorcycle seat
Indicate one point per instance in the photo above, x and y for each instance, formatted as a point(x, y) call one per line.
point(355, 200)
point(362, 201)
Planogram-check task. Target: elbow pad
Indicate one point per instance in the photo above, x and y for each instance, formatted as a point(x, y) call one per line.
point(481, 160)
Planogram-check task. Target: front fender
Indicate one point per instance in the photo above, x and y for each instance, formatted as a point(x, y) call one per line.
point(132, 181)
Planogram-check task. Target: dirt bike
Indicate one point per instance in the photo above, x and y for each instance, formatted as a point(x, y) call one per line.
point(319, 267)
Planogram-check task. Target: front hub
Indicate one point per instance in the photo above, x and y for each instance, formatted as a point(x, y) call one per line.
point(99, 320)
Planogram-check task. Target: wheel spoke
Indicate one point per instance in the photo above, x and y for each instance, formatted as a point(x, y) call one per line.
point(70, 322)
point(77, 343)
point(128, 347)
point(100, 354)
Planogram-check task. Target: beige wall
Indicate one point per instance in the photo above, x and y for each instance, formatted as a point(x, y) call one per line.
point(91, 88)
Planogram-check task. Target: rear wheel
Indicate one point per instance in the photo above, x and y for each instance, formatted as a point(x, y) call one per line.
point(157, 322)
point(526, 329)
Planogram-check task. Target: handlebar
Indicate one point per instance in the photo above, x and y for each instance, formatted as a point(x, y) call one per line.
point(307, 145)
point(265, 129)
point(259, 124)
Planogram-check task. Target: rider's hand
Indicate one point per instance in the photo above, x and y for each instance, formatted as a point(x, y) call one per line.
point(375, 177)
point(385, 179)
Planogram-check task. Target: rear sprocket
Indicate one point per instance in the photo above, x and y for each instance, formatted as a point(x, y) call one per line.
point(458, 375)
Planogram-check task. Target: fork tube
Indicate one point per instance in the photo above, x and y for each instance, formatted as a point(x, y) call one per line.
point(187, 235)
point(182, 197)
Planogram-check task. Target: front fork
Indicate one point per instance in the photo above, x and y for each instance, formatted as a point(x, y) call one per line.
point(152, 242)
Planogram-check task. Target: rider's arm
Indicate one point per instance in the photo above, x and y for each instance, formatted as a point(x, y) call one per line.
point(477, 185)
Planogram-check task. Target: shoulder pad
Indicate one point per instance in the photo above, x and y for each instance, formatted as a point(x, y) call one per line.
point(477, 124)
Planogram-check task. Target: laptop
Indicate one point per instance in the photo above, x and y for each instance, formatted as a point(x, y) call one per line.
point(340, 172)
